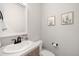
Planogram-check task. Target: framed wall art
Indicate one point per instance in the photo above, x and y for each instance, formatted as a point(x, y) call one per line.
point(67, 18)
point(51, 21)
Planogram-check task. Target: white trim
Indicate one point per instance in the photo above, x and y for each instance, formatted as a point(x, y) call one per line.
point(12, 34)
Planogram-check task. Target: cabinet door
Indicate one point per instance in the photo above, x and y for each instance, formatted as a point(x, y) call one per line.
point(34, 52)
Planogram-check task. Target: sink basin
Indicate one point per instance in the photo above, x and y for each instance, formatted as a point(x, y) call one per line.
point(13, 48)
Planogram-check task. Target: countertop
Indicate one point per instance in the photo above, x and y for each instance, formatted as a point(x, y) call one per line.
point(21, 53)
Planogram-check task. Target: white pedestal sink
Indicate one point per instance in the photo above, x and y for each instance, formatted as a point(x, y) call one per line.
point(13, 48)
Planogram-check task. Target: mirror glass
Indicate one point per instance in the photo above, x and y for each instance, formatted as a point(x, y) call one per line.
point(12, 19)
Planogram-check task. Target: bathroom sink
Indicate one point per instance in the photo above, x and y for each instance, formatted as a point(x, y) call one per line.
point(13, 48)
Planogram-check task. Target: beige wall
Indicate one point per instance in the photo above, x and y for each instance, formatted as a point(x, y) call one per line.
point(67, 36)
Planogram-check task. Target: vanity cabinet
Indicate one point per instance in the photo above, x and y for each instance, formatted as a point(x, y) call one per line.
point(34, 52)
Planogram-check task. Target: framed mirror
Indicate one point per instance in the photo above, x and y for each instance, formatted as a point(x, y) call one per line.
point(13, 20)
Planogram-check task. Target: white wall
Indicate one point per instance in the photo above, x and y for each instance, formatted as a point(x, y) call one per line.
point(34, 21)
point(67, 36)
point(14, 17)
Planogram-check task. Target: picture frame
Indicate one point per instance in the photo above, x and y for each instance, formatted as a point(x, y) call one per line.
point(67, 18)
point(51, 21)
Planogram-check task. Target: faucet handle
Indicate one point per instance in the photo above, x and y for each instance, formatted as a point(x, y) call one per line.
point(14, 41)
point(18, 39)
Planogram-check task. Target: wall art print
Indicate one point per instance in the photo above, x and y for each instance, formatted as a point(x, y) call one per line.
point(67, 18)
point(51, 21)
